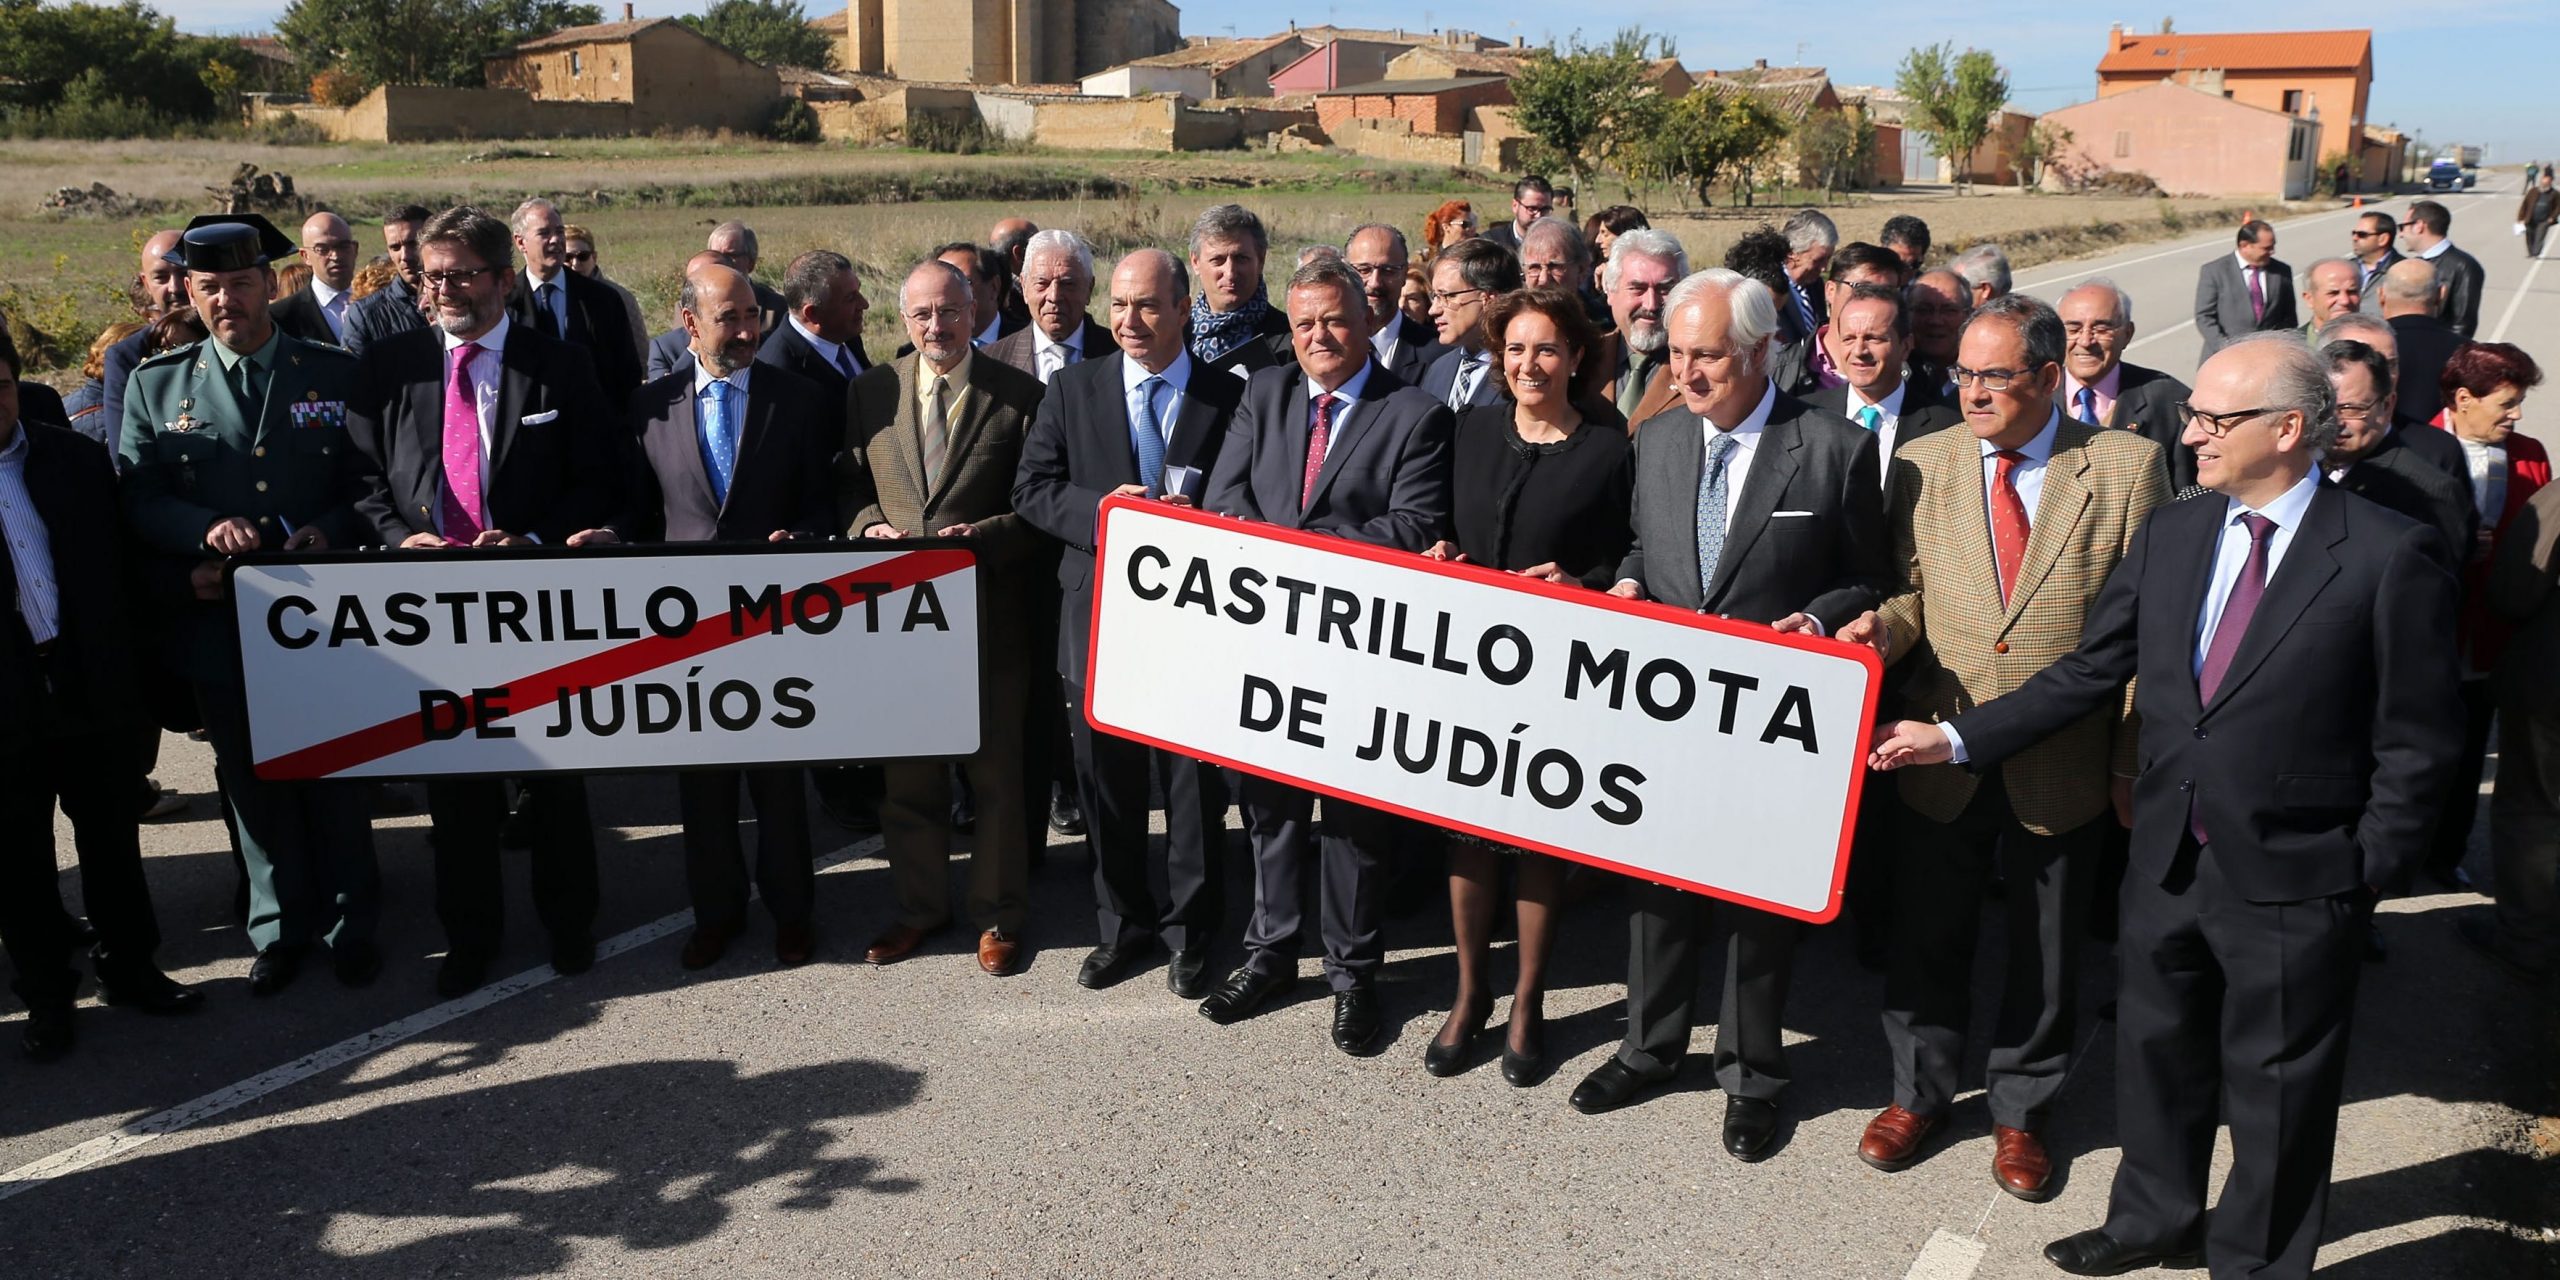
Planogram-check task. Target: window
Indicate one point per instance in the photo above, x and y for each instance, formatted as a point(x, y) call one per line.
point(2226, 93)
point(2124, 143)
point(2293, 102)
point(2296, 152)
point(577, 65)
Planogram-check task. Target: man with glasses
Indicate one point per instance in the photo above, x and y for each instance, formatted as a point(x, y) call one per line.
point(1465, 279)
point(317, 312)
point(2369, 242)
point(932, 443)
point(1376, 252)
point(2459, 276)
point(1940, 300)
point(1531, 199)
point(2300, 728)
point(549, 299)
point(482, 432)
point(2375, 462)
point(2099, 388)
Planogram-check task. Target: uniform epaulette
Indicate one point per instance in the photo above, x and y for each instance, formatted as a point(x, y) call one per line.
point(174, 355)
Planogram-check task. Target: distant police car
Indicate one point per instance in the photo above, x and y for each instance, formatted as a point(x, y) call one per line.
point(2447, 175)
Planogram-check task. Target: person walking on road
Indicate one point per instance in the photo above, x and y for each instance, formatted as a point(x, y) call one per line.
point(2540, 209)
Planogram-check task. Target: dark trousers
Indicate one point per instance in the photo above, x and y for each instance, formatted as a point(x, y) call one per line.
point(2534, 234)
point(88, 770)
point(2230, 1011)
point(1663, 936)
point(715, 873)
point(2462, 804)
point(471, 893)
point(1875, 850)
point(1928, 990)
point(307, 846)
point(1350, 852)
point(2524, 832)
point(1112, 779)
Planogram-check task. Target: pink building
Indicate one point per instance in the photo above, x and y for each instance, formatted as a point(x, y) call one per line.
point(2190, 142)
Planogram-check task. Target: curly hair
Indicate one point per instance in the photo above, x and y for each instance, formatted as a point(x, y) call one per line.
point(1445, 225)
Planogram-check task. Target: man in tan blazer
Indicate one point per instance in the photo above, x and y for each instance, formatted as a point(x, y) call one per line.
point(931, 444)
point(2003, 534)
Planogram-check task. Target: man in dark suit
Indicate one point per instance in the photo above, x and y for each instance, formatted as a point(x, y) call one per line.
point(394, 308)
point(1872, 330)
point(732, 452)
point(1940, 300)
point(2459, 276)
point(1804, 367)
point(820, 338)
point(317, 312)
point(2099, 388)
point(1057, 278)
point(674, 348)
point(1377, 253)
point(735, 242)
point(1330, 443)
point(551, 300)
point(2248, 291)
point(1752, 505)
point(2427, 442)
point(159, 287)
point(2375, 461)
point(1092, 440)
point(68, 715)
point(1234, 327)
point(1465, 279)
point(482, 432)
point(2300, 725)
point(1531, 199)
point(2425, 340)
point(932, 443)
point(2370, 244)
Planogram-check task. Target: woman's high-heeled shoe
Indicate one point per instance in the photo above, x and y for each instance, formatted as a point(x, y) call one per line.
point(1445, 1060)
point(1525, 1070)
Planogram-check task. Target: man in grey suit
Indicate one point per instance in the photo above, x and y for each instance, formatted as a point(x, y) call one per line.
point(1333, 444)
point(1465, 279)
point(1057, 284)
point(2429, 231)
point(1752, 505)
point(2099, 388)
point(2245, 293)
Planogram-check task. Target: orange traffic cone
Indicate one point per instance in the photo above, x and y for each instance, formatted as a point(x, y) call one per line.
point(2358, 204)
point(2248, 215)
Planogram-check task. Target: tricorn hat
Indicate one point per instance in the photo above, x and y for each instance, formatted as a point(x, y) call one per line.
point(229, 242)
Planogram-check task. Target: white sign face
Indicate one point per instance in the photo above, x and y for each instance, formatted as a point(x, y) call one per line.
point(406, 664)
point(1713, 756)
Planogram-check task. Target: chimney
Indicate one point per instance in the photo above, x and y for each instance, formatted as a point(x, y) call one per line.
point(1519, 42)
point(1759, 64)
point(626, 10)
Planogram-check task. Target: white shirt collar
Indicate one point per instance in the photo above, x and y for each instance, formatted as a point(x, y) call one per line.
point(495, 340)
point(2436, 250)
point(322, 293)
point(826, 350)
point(1176, 375)
point(702, 378)
point(2038, 450)
point(1348, 392)
point(1753, 422)
point(2245, 266)
point(2288, 507)
point(1890, 406)
point(560, 277)
point(1040, 342)
point(1384, 340)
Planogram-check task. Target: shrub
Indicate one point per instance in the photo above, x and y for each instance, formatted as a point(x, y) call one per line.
point(337, 88)
point(792, 120)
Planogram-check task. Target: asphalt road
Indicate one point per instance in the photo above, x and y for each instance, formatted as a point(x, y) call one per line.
point(925, 1119)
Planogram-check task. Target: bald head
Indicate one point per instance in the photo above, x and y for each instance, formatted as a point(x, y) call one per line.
point(160, 286)
point(2331, 288)
point(1150, 302)
point(721, 319)
point(1012, 238)
point(2409, 288)
point(329, 249)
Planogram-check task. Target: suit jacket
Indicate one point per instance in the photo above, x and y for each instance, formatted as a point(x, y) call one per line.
point(1020, 349)
point(2459, 279)
point(1079, 450)
point(2435, 445)
point(770, 304)
point(1270, 349)
point(554, 467)
point(2396, 477)
point(786, 443)
point(74, 490)
point(1385, 475)
point(376, 316)
point(596, 322)
point(666, 351)
point(784, 348)
point(1442, 378)
point(2370, 282)
point(2147, 403)
point(2523, 592)
point(2426, 342)
point(1611, 362)
point(1791, 367)
point(1417, 345)
point(40, 403)
point(1832, 560)
point(2223, 310)
point(1924, 413)
point(1503, 233)
point(2321, 764)
point(880, 472)
point(2099, 485)
point(299, 314)
point(115, 374)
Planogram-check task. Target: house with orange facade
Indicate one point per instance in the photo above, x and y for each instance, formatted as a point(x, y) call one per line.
point(2322, 76)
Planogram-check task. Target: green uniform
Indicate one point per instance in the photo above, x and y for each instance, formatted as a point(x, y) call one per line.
point(209, 434)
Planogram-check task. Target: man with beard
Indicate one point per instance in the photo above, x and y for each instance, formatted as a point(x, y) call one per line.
point(1643, 265)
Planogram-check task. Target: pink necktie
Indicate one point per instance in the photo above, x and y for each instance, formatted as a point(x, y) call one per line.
point(462, 513)
point(2257, 295)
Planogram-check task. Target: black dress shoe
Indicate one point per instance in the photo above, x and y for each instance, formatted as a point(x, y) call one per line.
point(573, 955)
point(274, 969)
point(1611, 1085)
point(2095, 1253)
point(462, 973)
point(1109, 964)
point(1243, 992)
point(1445, 1060)
point(83, 933)
point(48, 1035)
point(1356, 1021)
point(1750, 1128)
point(356, 963)
point(1188, 975)
point(1525, 1070)
point(1065, 817)
point(148, 989)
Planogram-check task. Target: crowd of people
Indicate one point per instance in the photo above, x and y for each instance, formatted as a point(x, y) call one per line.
point(2347, 554)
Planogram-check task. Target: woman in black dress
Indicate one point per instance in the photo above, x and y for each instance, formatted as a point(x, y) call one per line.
point(1540, 485)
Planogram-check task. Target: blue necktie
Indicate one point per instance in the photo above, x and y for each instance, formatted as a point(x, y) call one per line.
point(1870, 417)
point(844, 363)
point(1711, 513)
point(719, 437)
point(2088, 400)
point(1148, 435)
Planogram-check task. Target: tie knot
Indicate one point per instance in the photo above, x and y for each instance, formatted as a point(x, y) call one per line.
point(1718, 447)
point(1870, 416)
point(2260, 527)
point(2010, 456)
point(1148, 385)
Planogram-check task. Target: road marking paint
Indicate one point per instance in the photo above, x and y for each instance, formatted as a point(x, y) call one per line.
point(2516, 301)
point(140, 1133)
point(2179, 249)
point(2180, 327)
point(1947, 1256)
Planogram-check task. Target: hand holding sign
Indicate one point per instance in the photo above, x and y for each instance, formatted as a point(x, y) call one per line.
point(1868, 629)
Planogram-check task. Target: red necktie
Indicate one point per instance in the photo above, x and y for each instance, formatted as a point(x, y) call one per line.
point(2008, 521)
point(1317, 439)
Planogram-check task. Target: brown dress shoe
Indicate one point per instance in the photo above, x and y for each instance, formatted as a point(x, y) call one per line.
point(997, 951)
point(708, 943)
point(895, 945)
point(793, 944)
point(1893, 1138)
point(2019, 1164)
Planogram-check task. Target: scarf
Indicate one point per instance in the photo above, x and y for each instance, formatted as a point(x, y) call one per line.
point(1216, 334)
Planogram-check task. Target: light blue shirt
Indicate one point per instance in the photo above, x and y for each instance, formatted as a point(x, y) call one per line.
point(2027, 478)
point(1171, 386)
point(737, 383)
point(30, 543)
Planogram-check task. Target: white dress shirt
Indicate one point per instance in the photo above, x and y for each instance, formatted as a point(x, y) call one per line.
point(2488, 467)
point(1737, 461)
point(1173, 384)
point(484, 394)
point(333, 307)
point(2233, 551)
point(559, 286)
point(1888, 423)
point(1386, 340)
point(30, 543)
point(2028, 478)
point(835, 354)
point(2247, 273)
point(1048, 357)
point(1345, 398)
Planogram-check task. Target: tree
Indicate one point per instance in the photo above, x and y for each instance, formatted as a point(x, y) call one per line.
point(1953, 97)
point(774, 32)
point(138, 56)
point(2039, 148)
point(438, 42)
point(1569, 103)
point(1837, 146)
point(1707, 137)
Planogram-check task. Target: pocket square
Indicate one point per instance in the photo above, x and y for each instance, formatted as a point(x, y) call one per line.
point(537, 419)
point(1782, 515)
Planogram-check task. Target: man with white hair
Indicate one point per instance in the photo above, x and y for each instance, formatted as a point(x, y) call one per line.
point(1057, 284)
point(1749, 504)
point(1811, 238)
point(2099, 388)
point(2329, 290)
point(560, 304)
point(735, 241)
point(1985, 270)
point(1644, 265)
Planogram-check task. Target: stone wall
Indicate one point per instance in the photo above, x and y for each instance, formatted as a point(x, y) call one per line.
point(423, 113)
point(1395, 139)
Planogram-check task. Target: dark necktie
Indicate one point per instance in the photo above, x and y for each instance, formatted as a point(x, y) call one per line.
point(844, 363)
point(2227, 632)
point(1317, 440)
point(549, 318)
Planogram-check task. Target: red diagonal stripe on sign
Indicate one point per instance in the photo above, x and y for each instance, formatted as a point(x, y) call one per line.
point(623, 661)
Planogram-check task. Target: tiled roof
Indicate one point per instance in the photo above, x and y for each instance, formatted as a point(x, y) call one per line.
point(832, 23)
point(600, 33)
point(1402, 88)
point(2236, 51)
point(1790, 99)
point(1217, 55)
point(1756, 75)
point(1503, 62)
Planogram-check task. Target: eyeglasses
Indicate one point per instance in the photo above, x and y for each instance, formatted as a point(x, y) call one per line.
point(2405, 225)
point(2219, 425)
point(454, 279)
point(1450, 299)
point(1368, 270)
point(1539, 209)
point(2359, 412)
point(947, 315)
point(1987, 379)
point(2367, 235)
point(331, 246)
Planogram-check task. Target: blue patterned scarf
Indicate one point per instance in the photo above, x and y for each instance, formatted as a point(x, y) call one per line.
point(1215, 334)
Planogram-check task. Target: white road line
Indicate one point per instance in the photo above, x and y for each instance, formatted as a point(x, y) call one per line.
point(2179, 249)
point(1947, 1256)
point(185, 1115)
point(2180, 327)
point(2516, 301)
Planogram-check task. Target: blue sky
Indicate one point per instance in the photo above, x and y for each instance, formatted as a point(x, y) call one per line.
point(2458, 70)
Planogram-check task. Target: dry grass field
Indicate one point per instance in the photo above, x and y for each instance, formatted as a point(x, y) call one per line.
point(651, 201)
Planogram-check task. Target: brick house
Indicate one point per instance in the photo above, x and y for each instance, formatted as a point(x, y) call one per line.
point(670, 76)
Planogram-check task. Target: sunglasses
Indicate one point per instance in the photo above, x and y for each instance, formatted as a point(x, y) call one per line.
point(575, 256)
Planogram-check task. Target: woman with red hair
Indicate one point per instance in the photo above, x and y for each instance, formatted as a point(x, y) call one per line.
point(1453, 221)
point(2484, 386)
